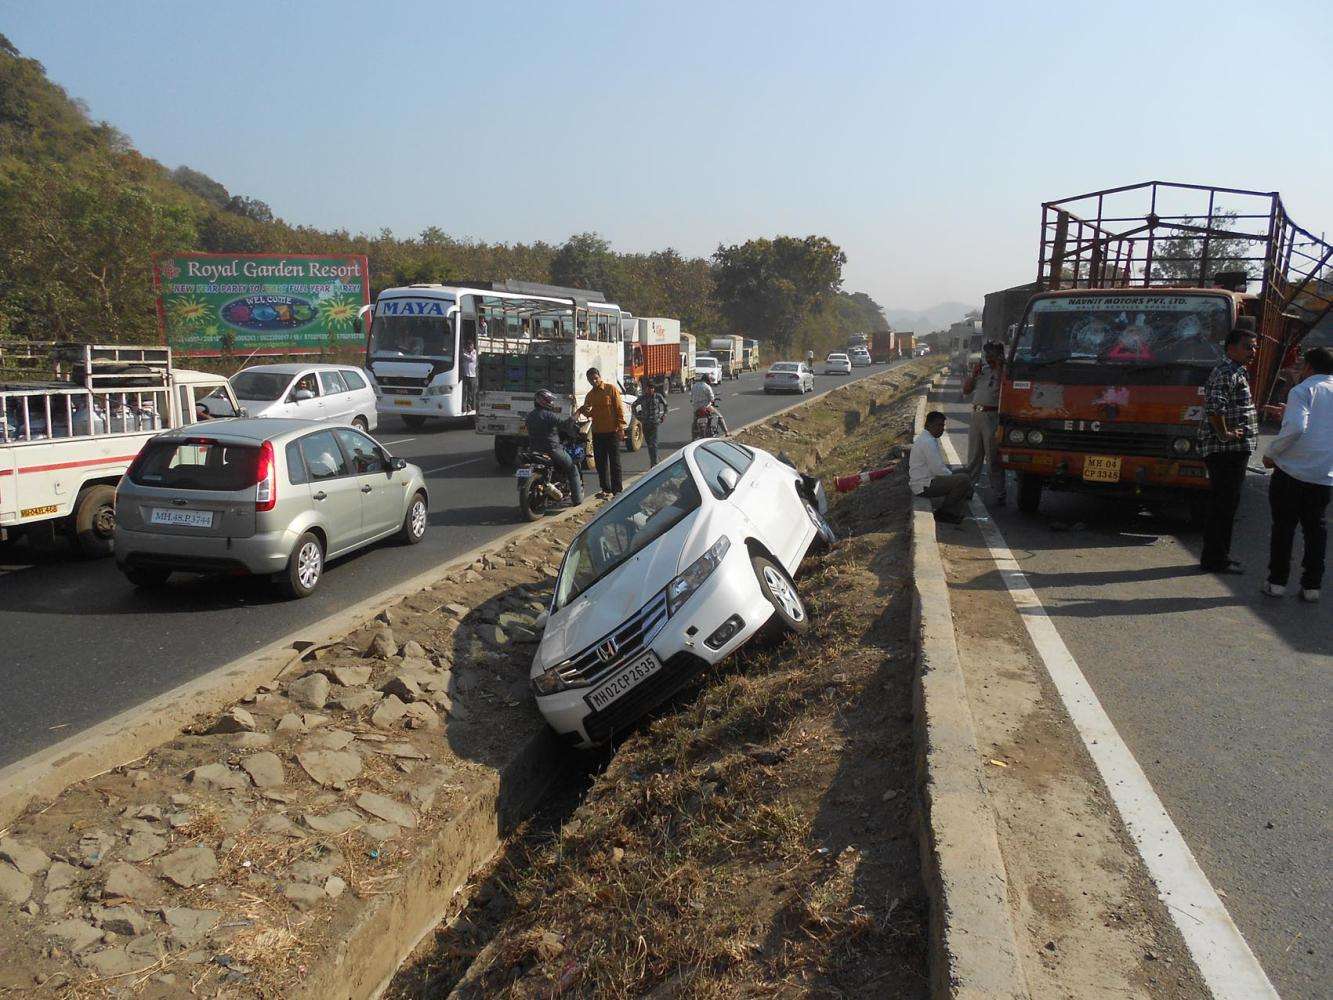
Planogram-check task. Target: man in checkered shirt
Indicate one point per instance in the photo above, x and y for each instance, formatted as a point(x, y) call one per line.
point(1228, 434)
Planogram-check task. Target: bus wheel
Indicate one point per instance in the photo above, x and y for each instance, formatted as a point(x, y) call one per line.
point(414, 423)
point(95, 521)
point(1029, 493)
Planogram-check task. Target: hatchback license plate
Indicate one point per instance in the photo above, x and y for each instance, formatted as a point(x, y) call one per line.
point(1101, 469)
point(629, 678)
point(188, 518)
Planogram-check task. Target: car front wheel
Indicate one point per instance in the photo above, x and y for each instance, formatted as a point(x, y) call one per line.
point(414, 521)
point(305, 567)
point(789, 615)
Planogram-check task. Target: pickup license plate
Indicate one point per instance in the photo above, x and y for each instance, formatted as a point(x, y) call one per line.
point(1101, 469)
point(627, 679)
point(523, 474)
point(188, 518)
point(402, 402)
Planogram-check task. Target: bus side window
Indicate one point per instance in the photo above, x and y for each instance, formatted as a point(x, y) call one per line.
point(467, 322)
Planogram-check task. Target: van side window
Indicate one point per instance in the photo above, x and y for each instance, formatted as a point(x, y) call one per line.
point(333, 383)
point(296, 473)
point(323, 458)
point(353, 379)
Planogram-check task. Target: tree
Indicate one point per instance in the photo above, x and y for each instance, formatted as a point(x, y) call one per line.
point(202, 185)
point(586, 261)
point(766, 288)
point(1179, 259)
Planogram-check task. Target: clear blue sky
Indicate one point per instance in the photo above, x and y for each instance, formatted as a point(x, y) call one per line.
point(921, 137)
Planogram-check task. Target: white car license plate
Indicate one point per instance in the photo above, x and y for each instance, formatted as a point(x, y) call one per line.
point(632, 676)
point(523, 474)
point(189, 518)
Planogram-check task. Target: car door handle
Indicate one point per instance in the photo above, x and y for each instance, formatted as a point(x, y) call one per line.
point(366, 489)
point(321, 495)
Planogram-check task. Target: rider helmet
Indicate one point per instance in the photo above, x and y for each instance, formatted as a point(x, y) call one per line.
point(545, 399)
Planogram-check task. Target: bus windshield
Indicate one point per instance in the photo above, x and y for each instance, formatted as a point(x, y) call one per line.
point(427, 337)
point(1151, 329)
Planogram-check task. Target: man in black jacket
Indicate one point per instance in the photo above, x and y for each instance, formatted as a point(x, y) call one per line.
point(545, 426)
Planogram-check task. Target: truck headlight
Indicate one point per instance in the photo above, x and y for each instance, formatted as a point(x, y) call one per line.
point(439, 390)
point(682, 588)
point(1017, 436)
point(1182, 446)
point(1036, 437)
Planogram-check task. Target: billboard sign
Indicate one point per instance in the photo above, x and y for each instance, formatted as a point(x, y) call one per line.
point(210, 304)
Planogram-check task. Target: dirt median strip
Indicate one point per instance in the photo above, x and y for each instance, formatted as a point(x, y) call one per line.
point(299, 842)
point(973, 945)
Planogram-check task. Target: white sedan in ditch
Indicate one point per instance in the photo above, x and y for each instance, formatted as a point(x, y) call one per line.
point(673, 577)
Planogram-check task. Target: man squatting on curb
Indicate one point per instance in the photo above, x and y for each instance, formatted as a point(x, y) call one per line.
point(929, 475)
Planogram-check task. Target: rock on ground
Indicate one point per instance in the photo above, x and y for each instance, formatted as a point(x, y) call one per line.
point(60, 875)
point(127, 882)
point(388, 713)
point(26, 858)
point(123, 920)
point(312, 690)
point(331, 768)
point(14, 885)
point(187, 925)
point(236, 720)
point(335, 823)
point(302, 895)
point(143, 845)
point(218, 776)
point(349, 676)
point(265, 769)
point(78, 935)
point(383, 807)
point(188, 867)
point(382, 645)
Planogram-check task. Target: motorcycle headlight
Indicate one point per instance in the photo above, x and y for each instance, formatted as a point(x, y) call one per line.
point(1036, 437)
point(1017, 436)
point(1182, 445)
point(682, 588)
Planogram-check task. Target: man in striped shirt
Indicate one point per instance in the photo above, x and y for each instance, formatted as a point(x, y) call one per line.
point(1227, 436)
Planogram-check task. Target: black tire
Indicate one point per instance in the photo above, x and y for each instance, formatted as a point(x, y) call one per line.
point(296, 581)
point(824, 533)
point(506, 453)
point(1029, 493)
point(94, 521)
point(532, 499)
point(415, 521)
point(789, 617)
point(634, 437)
point(361, 424)
point(147, 577)
point(414, 423)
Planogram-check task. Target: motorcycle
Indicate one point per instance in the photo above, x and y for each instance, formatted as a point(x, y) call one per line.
point(707, 423)
point(536, 475)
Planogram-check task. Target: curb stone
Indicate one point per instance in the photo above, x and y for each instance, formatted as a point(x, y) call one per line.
point(973, 950)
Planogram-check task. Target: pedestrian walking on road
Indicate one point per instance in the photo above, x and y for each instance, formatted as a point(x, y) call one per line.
point(650, 410)
point(1227, 436)
point(1301, 457)
point(604, 407)
point(469, 372)
point(929, 475)
point(982, 383)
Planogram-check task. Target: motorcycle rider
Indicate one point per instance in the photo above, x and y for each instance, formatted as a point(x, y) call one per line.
point(702, 397)
point(545, 426)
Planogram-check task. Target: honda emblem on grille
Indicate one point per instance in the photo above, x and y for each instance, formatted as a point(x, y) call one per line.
point(607, 651)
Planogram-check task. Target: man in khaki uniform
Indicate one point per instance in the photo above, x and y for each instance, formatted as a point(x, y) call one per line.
point(983, 385)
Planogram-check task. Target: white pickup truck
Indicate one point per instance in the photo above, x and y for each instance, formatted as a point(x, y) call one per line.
point(72, 419)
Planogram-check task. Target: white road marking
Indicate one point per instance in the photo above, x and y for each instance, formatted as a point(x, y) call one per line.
point(454, 465)
point(1215, 942)
point(399, 441)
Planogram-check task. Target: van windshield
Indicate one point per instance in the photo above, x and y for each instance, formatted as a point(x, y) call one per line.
point(196, 464)
point(1154, 329)
point(259, 386)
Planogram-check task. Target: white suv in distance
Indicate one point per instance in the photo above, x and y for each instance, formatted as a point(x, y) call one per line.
point(340, 394)
point(859, 356)
point(671, 578)
point(837, 364)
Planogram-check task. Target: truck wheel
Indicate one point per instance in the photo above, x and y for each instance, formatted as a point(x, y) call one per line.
point(634, 439)
point(506, 453)
point(414, 423)
point(304, 569)
point(1029, 493)
point(95, 521)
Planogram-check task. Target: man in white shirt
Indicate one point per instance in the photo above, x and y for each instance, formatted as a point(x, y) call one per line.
point(929, 475)
point(469, 373)
point(1301, 457)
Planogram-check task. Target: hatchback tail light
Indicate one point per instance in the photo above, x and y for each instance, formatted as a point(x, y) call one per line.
point(266, 489)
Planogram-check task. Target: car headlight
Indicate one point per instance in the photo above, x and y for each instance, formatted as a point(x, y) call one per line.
point(682, 588)
point(1036, 437)
point(1183, 446)
point(548, 682)
point(1017, 436)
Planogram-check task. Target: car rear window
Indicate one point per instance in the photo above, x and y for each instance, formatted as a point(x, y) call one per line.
point(196, 464)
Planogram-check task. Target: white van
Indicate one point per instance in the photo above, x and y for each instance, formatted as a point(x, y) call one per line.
point(340, 394)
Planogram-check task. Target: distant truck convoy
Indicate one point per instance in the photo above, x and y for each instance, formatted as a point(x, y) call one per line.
point(1103, 389)
point(886, 345)
point(652, 352)
point(751, 363)
point(730, 353)
point(72, 419)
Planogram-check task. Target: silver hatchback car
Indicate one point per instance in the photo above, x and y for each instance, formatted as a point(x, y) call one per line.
point(276, 497)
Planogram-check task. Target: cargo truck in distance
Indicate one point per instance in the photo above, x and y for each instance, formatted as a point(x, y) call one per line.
point(652, 352)
point(72, 419)
point(751, 363)
point(1137, 288)
point(687, 351)
point(730, 353)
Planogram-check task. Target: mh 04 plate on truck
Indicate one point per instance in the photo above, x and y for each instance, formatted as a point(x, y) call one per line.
point(1101, 469)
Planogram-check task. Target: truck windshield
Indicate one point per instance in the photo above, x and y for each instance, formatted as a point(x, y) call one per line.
point(1158, 329)
point(413, 337)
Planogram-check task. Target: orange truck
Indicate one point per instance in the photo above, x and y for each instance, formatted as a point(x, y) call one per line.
point(1137, 289)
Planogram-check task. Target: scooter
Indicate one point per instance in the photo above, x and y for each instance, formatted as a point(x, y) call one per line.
point(536, 475)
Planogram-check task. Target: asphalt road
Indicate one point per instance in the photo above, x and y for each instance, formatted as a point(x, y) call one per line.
point(1222, 694)
point(80, 644)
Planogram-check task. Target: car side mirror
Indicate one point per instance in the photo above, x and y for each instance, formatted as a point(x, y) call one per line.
point(728, 480)
point(397, 464)
point(242, 412)
point(301, 395)
point(541, 621)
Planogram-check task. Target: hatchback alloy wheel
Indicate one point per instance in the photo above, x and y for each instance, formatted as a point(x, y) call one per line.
point(309, 563)
point(784, 593)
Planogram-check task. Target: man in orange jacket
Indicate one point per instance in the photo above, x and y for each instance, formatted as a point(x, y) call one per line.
point(604, 407)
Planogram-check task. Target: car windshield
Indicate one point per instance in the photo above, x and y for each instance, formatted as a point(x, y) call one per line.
point(647, 512)
point(259, 385)
point(413, 337)
point(1119, 329)
point(786, 366)
point(196, 464)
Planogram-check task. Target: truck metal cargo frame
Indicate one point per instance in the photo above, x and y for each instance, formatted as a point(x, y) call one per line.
point(1111, 239)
